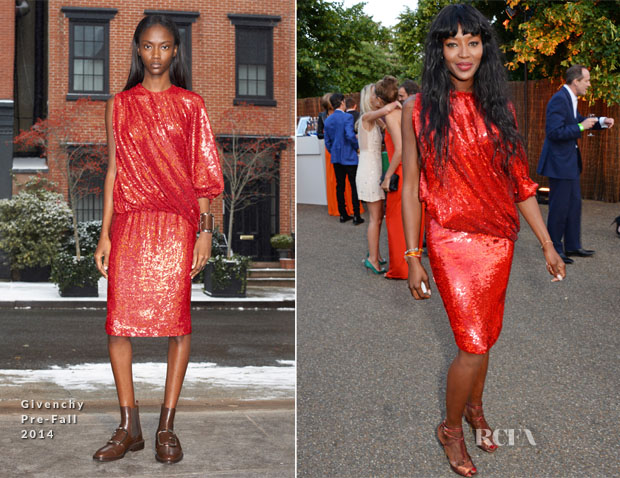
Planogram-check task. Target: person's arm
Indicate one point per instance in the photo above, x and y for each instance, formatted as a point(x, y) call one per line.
point(531, 212)
point(328, 140)
point(557, 128)
point(393, 126)
point(369, 117)
point(320, 125)
point(103, 247)
point(202, 248)
point(349, 131)
point(411, 206)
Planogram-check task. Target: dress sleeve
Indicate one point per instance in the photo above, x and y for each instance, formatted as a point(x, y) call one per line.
point(206, 169)
point(523, 185)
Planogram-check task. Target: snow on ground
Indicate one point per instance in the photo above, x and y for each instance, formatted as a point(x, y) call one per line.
point(260, 382)
point(45, 291)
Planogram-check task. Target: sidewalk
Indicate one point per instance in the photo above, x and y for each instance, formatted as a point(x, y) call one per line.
point(45, 295)
point(231, 421)
point(250, 442)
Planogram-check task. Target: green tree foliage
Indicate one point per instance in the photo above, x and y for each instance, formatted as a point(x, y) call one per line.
point(556, 35)
point(340, 49)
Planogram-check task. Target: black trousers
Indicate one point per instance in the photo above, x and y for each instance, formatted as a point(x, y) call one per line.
point(342, 171)
point(564, 218)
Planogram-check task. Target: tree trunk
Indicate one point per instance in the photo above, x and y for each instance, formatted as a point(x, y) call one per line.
point(72, 199)
point(76, 236)
point(231, 216)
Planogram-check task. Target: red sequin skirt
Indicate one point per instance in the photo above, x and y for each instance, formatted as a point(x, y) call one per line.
point(471, 272)
point(149, 285)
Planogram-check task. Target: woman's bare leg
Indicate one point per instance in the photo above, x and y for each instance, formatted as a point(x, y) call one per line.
point(475, 396)
point(374, 231)
point(462, 375)
point(178, 357)
point(120, 357)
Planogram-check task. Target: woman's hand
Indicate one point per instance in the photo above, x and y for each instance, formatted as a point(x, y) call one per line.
point(385, 185)
point(202, 253)
point(417, 279)
point(555, 264)
point(102, 255)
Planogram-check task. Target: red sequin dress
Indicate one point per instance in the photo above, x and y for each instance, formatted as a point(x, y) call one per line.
point(471, 223)
point(166, 158)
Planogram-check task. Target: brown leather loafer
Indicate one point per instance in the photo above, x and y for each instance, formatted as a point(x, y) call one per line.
point(167, 445)
point(127, 437)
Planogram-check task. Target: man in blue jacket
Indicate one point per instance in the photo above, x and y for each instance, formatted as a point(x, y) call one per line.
point(341, 142)
point(560, 161)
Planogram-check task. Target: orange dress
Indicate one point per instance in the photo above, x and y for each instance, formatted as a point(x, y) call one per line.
point(471, 222)
point(166, 158)
point(394, 223)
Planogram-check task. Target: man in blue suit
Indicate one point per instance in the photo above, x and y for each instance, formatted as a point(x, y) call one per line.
point(341, 142)
point(560, 161)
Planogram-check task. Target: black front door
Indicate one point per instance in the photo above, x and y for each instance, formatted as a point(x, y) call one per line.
point(256, 223)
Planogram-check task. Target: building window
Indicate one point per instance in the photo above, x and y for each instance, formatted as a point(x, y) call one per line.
point(89, 56)
point(183, 21)
point(254, 58)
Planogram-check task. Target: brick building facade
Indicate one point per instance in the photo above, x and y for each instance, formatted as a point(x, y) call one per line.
point(89, 54)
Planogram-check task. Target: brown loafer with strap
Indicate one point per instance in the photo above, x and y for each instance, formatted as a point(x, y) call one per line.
point(127, 437)
point(167, 445)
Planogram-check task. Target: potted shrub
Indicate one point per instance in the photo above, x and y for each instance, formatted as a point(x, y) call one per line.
point(284, 244)
point(75, 277)
point(226, 276)
point(78, 276)
point(32, 226)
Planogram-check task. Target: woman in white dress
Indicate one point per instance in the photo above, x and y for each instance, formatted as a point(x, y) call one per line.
point(369, 170)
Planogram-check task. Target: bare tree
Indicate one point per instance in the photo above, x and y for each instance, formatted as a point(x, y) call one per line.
point(248, 161)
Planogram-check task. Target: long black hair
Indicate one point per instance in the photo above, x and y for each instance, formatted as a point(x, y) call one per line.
point(489, 85)
point(178, 69)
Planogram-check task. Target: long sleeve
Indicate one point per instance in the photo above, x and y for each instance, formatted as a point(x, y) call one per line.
point(349, 131)
point(206, 169)
point(328, 141)
point(557, 127)
point(524, 187)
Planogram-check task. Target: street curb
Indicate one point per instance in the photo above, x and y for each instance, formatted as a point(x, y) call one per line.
point(99, 304)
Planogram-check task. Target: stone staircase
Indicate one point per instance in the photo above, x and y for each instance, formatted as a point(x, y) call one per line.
point(269, 274)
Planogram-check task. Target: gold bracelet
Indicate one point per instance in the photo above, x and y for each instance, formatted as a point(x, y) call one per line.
point(207, 222)
point(417, 252)
point(543, 244)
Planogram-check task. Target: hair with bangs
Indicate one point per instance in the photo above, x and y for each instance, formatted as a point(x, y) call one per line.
point(489, 86)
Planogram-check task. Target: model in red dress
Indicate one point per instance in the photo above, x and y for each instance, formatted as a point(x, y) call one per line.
point(474, 175)
point(163, 172)
point(166, 158)
point(471, 223)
